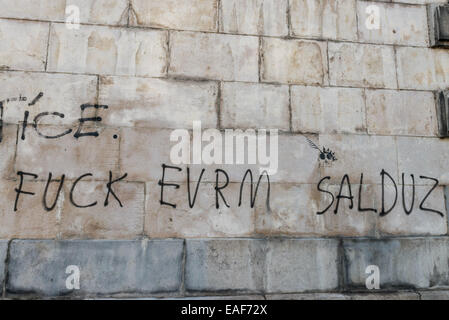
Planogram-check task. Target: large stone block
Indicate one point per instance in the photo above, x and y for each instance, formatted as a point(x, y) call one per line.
point(67, 154)
point(109, 12)
point(294, 211)
point(217, 265)
point(106, 267)
point(402, 112)
point(328, 19)
point(357, 154)
point(31, 220)
point(301, 265)
point(204, 219)
point(111, 220)
point(107, 50)
point(61, 93)
point(418, 221)
point(24, 45)
point(424, 157)
point(143, 151)
point(298, 162)
point(361, 65)
point(155, 103)
point(422, 68)
point(259, 17)
point(195, 15)
point(405, 263)
point(113, 12)
point(260, 106)
point(294, 61)
point(398, 24)
point(328, 110)
point(214, 56)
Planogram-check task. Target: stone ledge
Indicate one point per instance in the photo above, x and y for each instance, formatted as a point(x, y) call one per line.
point(3, 257)
point(106, 267)
point(278, 268)
point(403, 262)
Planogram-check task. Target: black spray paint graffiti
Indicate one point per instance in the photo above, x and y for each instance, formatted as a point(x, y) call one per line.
point(20, 98)
point(109, 186)
point(325, 155)
point(36, 120)
point(345, 182)
point(218, 187)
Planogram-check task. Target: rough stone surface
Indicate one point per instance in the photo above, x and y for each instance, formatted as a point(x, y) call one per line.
point(3, 253)
point(392, 112)
point(361, 65)
point(328, 19)
point(70, 156)
point(259, 17)
point(418, 222)
point(24, 45)
point(399, 24)
point(113, 12)
point(301, 265)
point(214, 56)
point(142, 153)
point(217, 265)
point(61, 93)
point(434, 295)
point(345, 98)
point(411, 159)
point(104, 220)
point(357, 154)
point(254, 106)
point(106, 267)
point(203, 220)
point(139, 102)
point(196, 15)
point(298, 163)
point(398, 262)
point(422, 68)
point(8, 150)
point(327, 110)
point(31, 220)
point(106, 50)
point(294, 61)
point(293, 212)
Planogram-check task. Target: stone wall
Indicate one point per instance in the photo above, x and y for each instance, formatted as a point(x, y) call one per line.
point(92, 102)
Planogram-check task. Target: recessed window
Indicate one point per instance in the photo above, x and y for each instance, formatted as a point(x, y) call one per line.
point(439, 25)
point(443, 113)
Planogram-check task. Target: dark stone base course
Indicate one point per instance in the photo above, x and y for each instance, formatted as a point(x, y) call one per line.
point(410, 268)
point(106, 267)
